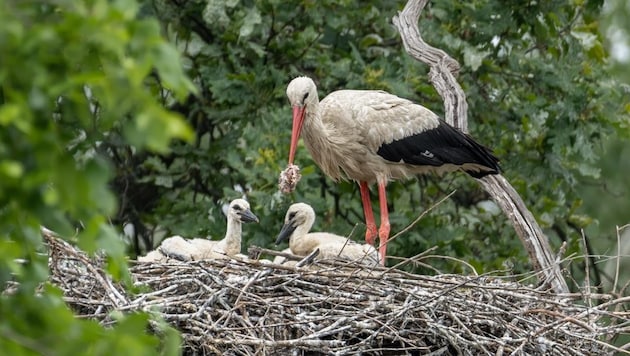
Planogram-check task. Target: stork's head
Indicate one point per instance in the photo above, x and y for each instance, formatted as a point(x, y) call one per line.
point(299, 216)
point(302, 94)
point(239, 211)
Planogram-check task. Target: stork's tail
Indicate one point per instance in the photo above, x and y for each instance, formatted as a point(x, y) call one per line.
point(486, 161)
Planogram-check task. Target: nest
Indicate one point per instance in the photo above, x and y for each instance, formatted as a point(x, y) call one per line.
point(245, 307)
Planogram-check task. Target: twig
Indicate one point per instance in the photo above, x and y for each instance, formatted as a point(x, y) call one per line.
point(618, 230)
point(307, 260)
point(587, 276)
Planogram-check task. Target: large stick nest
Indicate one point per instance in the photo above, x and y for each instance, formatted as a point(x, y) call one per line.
point(245, 308)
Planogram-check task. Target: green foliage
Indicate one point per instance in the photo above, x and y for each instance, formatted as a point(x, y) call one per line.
point(546, 82)
point(100, 127)
point(72, 76)
point(41, 324)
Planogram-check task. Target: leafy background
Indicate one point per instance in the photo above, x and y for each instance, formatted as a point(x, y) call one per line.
point(145, 117)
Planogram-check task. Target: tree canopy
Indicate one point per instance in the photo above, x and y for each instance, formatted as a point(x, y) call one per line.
point(152, 114)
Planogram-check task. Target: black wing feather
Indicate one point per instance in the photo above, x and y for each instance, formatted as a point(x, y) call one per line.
point(441, 145)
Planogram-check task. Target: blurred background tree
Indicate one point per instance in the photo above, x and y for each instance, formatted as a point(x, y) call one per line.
point(607, 200)
point(76, 80)
point(88, 147)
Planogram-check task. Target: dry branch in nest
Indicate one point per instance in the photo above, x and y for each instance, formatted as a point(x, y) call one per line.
point(249, 308)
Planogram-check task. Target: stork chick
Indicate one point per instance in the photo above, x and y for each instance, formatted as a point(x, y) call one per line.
point(197, 249)
point(297, 224)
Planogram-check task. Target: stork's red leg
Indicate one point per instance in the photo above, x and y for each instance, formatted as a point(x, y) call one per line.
point(370, 232)
point(383, 232)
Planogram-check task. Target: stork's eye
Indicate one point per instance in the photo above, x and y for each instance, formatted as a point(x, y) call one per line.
point(305, 96)
point(291, 216)
point(237, 207)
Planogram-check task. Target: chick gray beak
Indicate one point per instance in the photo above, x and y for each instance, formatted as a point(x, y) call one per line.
point(285, 233)
point(247, 216)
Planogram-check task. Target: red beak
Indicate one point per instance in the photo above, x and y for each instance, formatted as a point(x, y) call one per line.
point(298, 121)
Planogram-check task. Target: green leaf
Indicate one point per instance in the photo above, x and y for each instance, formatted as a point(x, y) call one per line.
point(11, 169)
point(251, 20)
point(169, 67)
point(473, 57)
point(154, 129)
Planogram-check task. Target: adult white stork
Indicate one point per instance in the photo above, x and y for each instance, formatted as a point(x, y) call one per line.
point(372, 136)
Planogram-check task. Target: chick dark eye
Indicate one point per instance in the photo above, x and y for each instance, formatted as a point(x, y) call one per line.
point(237, 207)
point(291, 216)
point(305, 96)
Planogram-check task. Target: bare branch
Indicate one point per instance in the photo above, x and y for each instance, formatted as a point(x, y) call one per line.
point(442, 76)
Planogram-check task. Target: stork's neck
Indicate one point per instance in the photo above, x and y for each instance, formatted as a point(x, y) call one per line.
point(313, 123)
point(232, 239)
point(298, 242)
point(317, 135)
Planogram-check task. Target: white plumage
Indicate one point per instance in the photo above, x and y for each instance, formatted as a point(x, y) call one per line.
point(197, 249)
point(297, 224)
point(371, 136)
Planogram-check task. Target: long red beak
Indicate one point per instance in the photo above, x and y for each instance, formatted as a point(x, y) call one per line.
point(298, 121)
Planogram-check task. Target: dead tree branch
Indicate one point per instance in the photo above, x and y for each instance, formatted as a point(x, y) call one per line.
point(442, 76)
